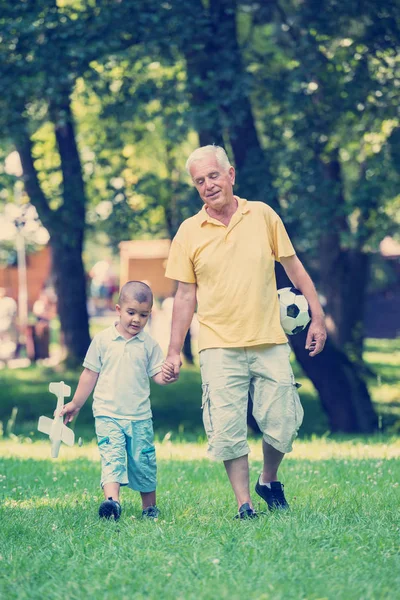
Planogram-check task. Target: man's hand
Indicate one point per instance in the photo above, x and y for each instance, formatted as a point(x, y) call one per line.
point(165, 379)
point(316, 336)
point(69, 411)
point(171, 367)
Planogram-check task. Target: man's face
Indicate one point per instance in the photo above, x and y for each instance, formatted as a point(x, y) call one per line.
point(215, 186)
point(133, 316)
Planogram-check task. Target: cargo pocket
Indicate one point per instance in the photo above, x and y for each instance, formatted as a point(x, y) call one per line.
point(297, 407)
point(206, 408)
point(103, 440)
point(148, 456)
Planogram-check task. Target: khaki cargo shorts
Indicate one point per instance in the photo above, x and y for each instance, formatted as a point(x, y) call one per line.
point(228, 376)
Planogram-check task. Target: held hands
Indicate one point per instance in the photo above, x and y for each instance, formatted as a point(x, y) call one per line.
point(316, 336)
point(171, 368)
point(69, 411)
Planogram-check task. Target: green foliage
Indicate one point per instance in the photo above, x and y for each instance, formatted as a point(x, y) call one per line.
point(322, 85)
point(104, 100)
point(325, 88)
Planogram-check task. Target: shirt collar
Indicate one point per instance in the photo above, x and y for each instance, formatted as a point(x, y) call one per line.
point(116, 334)
point(204, 217)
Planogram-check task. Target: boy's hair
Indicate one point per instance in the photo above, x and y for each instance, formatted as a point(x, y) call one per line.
point(136, 290)
point(203, 151)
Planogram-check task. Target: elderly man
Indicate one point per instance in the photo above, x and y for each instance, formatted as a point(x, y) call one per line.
point(223, 259)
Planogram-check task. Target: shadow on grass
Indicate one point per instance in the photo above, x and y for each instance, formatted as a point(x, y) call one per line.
point(383, 346)
point(385, 373)
point(177, 408)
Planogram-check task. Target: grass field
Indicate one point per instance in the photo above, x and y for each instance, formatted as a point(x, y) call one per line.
point(340, 540)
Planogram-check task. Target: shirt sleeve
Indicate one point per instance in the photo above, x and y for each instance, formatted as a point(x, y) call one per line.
point(156, 360)
point(92, 359)
point(179, 265)
point(280, 241)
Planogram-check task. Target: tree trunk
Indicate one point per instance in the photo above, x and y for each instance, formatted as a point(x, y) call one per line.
point(344, 282)
point(197, 48)
point(343, 274)
point(343, 393)
point(66, 226)
point(70, 286)
point(349, 390)
point(253, 168)
point(343, 387)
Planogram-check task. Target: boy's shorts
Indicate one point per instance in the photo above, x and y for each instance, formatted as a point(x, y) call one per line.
point(127, 451)
point(229, 375)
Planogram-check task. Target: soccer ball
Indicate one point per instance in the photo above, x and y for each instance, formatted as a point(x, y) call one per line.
point(294, 311)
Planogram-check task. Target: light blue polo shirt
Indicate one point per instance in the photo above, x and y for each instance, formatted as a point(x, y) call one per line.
point(123, 388)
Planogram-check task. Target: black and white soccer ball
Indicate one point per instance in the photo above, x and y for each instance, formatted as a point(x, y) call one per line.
point(294, 310)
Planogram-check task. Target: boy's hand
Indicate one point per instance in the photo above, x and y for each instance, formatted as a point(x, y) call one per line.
point(161, 379)
point(69, 411)
point(168, 381)
point(168, 372)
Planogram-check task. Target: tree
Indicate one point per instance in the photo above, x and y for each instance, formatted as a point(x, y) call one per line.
point(341, 95)
point(45, 48)
point(140, 190)
point(101, 98)
point(236, 117)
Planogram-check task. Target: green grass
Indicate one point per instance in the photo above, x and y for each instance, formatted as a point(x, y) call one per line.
point(340, 540)
point(383, 358)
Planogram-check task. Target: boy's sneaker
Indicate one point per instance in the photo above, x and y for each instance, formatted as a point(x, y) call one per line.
point(151, 512)
point(246, 512)
point(273, 496)
point(110, 509)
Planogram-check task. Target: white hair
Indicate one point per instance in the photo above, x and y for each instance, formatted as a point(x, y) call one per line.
point(203, 151)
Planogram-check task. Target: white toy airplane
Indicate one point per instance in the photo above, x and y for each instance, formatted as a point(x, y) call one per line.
point(55, 428)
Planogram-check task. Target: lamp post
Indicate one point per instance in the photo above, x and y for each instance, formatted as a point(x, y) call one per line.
point(13, 167)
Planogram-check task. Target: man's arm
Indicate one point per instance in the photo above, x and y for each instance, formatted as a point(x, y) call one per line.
point(182, 315)
point(297, 274)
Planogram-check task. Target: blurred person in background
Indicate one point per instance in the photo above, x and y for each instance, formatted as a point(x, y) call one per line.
point(8, 325)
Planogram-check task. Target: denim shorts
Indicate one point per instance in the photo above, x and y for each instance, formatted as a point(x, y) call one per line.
point(229, 375)
point(127, 452)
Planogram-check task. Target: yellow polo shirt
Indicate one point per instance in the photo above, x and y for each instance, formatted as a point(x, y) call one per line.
point(233, 268)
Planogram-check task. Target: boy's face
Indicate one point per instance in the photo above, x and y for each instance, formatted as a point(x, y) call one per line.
point(133, 316)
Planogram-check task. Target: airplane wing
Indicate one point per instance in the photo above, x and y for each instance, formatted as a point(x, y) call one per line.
point(60, 388)
point(44, 425)
point(67, 436)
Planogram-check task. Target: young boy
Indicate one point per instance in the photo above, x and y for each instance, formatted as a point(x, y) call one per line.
point(119, 362)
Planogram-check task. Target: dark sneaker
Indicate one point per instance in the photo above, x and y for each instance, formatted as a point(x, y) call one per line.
point(151, 512)
point(110, 509)
point(246, 512)
point(273, 496)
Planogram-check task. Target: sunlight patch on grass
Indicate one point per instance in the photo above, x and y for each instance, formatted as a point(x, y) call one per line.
point(314, 449)
point(383, 395)
point(381, 358)
point(37, 502)
point(317, 449)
